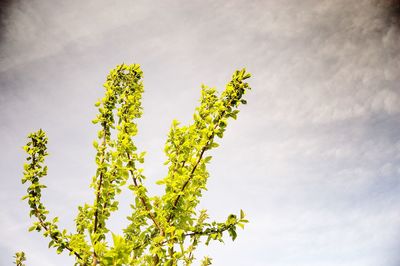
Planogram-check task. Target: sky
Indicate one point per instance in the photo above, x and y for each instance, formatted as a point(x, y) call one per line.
point(313, 159)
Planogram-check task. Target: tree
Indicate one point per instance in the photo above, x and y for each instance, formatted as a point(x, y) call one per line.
point(161, 230)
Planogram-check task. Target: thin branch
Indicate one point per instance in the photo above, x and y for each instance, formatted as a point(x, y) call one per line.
point(55, 238)
point(195, 166)
point(152, 217)
point(96, 213)
point(43, 224)
point(195, 233)
point(191, 175)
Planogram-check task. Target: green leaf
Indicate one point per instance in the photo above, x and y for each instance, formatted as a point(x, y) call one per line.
point(160, 182)
point(33, 227)
point(207, 159)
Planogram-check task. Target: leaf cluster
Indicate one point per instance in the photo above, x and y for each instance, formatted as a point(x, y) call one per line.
point(161, 230)
point(20, 258)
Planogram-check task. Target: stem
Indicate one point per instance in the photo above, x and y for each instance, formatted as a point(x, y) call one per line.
point(55, 238)
point(195, 167)
point(191, 175)
point(103, 144)
point(43, 224)
point(151, 215)
point(96, 213)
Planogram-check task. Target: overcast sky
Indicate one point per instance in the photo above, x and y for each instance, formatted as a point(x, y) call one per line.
point(313, 159)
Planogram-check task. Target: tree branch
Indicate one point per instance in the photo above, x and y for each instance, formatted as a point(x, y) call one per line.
point(152, 217)
point(100, 181)
point(210, 139)
point(54, 237)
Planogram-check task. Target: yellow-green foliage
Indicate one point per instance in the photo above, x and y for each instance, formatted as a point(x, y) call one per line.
point(20, 258)
point(161, 230)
